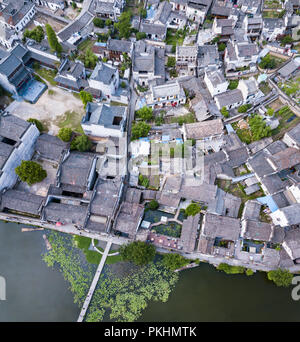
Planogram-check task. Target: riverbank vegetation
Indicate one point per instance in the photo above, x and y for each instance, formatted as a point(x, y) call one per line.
point(280, 277)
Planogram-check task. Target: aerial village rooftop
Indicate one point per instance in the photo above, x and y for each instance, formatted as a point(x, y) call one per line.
point(172, 106)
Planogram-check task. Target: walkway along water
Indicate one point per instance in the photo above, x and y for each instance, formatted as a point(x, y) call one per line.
point(94, 283)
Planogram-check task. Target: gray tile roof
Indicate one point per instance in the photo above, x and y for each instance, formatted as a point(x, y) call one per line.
point(123, 46)
point(75, 170)
point(224, 227)
point(260, 165)
point(251, 210)
point(105, 115)
point(103, 73)
point(230, 97)
point(50, 147)
point(65, 213)
point(12, 127)
point(5, 151)
point(255, 230)
point(294, 133)
point(189, 233)
point(23, 202)
point(106, 196)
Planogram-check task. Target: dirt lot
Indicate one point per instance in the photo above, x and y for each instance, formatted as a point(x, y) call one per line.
point(60, 109)
point(70, 13)
point(43, 20)
point(277, 104)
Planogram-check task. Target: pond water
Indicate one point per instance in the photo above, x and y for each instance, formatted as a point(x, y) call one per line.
point(205, 294)
point(38, 293)
point(34, 292)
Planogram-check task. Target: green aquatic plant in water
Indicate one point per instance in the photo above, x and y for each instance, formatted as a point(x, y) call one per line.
point(125, 298)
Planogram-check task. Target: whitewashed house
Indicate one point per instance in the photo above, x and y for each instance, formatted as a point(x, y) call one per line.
point(196, 10)
point(165, 95)
point(17, 141)
point(215, 82)
point(103, 120)
point(16, 14)
point(54, 5)
point(241, 55)
point(105, 78)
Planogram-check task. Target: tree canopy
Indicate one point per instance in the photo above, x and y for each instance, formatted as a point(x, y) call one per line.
point(145, 113)
point(153, 205)
point(281, 277)
point(98, 22)
point(123, 25)
point(192, 209)
point(65, 134)
point(36, 34)
point(38, 124)
point(89, 59)
point(81, 143)
point(138, 252)
point(243, 108)
point(258, 127)
point(140, 129)
point(267, 62)
point(30, 172)
point(174, 261)
point(85, 97)
point(224, 112)
point(52, 39)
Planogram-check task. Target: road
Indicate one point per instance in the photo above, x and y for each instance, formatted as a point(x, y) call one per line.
point(94, 283)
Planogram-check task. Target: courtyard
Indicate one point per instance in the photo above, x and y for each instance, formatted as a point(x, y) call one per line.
point(56, 108)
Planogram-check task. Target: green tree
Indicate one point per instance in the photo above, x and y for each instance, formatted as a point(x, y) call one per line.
point(140, 129)
point(108, 22)
point(144, 181)
point(98, 22)
point(173, 261)
point(85, 97)
point(138, 252)
point(140, 35)
point(249, 272)
point(233, 84)
point(221, 47)
point(192, 209)
point(123, 25)
point(52, 39)
point(65, 134)
point(224, 112)
point(267, 62)
point(258, 127)
point(38, 124)
point(142, 12)
point(81, 143)
point(244, 108)
point(36, 34)
point(89, 59)
point(145, 113)
point(270, 111)
point(153, 205)
point(281, 277)
point(30, 172)
point(171, 62)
